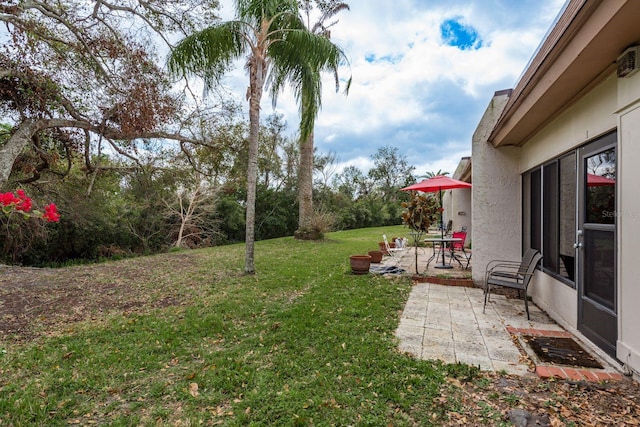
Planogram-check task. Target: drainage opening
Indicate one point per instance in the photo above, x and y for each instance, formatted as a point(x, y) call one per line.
point(561, 351)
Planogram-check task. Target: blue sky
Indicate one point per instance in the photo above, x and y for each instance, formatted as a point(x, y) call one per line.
point(423, 73)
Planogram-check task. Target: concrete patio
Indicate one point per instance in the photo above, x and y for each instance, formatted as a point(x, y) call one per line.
point(447, 323)
point(406, 260)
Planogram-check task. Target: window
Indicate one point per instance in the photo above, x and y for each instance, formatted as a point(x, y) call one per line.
point(550, 220)
point(549, 214)
point(532, 223)
point(567, 216)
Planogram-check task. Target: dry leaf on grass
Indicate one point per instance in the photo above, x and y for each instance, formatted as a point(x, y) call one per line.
point(193, 389)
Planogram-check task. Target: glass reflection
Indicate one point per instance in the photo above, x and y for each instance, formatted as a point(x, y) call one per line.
point(601, 187)
point(567, 221)
point(599, 268)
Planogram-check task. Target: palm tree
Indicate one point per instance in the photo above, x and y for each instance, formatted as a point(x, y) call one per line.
point(431, 174)
point(434, 174)
point(278, 48)
point(328, 9)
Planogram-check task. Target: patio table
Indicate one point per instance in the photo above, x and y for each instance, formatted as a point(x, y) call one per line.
point(442, 241)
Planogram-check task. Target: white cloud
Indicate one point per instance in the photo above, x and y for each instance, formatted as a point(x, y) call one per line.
point(410, 90)
point(360, 162)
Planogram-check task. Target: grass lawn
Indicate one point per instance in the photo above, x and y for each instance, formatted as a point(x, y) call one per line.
point(187, 339)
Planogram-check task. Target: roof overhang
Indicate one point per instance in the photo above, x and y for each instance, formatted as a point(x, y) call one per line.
point(463, 171)
point(578, 53)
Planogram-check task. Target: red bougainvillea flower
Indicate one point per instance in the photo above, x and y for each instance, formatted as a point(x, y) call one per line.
point(51, 213)
point(7, 198)
point(19, 201)
point(23, 202)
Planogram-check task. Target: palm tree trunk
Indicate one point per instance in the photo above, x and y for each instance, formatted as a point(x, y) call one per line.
point(305, 185)
point(256, 84)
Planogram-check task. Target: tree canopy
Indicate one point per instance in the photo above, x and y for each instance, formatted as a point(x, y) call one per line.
point(74, 74)
point(88, 114)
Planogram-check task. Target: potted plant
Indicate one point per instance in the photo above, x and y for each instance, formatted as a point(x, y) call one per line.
point(360, 264)
point(376, 256)
point(418, 214)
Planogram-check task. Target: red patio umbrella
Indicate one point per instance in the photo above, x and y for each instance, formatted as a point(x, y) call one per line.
point(598, 180)
point(437, 183)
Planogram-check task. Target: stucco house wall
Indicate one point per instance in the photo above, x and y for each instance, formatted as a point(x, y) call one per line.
point(457, 203)
point(461, 210)
point(628, 210)
point(590, 117)
point(593, 115)
point(447, 205)
point(496, 201)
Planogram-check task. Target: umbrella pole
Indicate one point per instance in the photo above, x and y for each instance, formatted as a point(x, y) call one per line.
point(441, 224)
point(441, 219)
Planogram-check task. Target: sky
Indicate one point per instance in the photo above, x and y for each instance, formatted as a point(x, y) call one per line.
point(424, 71)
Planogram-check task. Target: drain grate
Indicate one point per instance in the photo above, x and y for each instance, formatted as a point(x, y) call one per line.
point(561, 351)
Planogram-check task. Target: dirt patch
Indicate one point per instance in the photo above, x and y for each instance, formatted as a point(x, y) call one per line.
point(449, 281)
point(562, 351)
point(37, 301)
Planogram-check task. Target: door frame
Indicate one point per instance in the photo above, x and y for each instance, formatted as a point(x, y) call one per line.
point(601, 324)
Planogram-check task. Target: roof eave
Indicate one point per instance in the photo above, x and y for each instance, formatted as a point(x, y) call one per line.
point(578, 53)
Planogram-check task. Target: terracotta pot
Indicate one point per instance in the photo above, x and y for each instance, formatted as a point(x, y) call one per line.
point(376, 256)
point(360, 264)
point(383, 248)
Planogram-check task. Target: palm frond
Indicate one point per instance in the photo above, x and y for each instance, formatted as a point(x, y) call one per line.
point(299, 61)
point(208, 53)
point(328, 9)
point(257, 11)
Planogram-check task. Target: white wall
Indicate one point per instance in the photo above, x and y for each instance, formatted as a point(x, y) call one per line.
point(495, 202)
point(457, 207)
point(628, 210)
point(557, 299)
point(461, 210)
point(589, 118)
point(458, 201)
point(447, 205)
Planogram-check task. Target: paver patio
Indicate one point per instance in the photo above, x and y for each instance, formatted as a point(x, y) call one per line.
point(447, 323)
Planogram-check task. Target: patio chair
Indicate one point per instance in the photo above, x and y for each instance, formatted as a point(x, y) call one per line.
point(457, 250)
point(511, 274)
point(447, 229)
point(390, 250)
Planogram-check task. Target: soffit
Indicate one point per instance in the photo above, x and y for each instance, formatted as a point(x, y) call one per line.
point(463, 171)
point(579, 52)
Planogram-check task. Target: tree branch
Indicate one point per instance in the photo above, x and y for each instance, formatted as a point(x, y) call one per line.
point(24, 132)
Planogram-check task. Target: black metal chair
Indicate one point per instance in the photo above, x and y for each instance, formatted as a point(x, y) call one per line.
point(511, 274)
